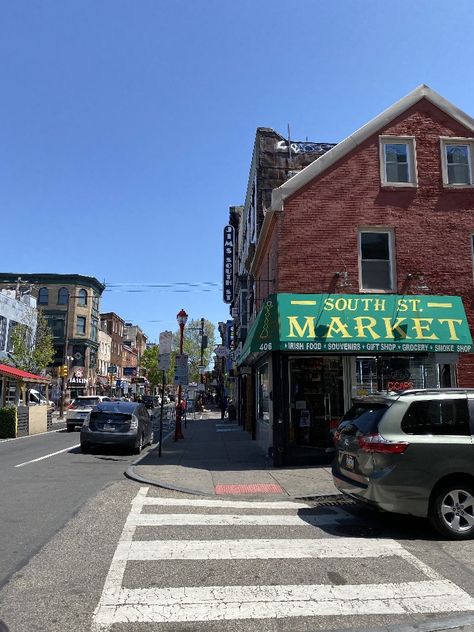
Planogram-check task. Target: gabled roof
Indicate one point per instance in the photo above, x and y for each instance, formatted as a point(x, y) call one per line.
point(292, 185)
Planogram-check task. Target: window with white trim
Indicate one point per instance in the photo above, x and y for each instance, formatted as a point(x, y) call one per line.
point(376, 260)
point(397, 161)
point(456, 159)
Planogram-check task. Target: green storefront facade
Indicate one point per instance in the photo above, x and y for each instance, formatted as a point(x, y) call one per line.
point(311, 353)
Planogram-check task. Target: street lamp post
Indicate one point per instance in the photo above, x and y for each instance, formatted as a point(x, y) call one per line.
point(182, 318)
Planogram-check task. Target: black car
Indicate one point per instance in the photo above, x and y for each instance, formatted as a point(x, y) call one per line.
point(149, 401)
point(117, 423)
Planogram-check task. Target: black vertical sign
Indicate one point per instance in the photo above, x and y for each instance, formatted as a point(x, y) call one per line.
point(228, 288)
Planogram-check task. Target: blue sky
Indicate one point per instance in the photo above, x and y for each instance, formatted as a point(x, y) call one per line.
point(127, 126)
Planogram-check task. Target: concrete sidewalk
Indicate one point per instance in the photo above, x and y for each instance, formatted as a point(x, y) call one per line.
point(219, 458)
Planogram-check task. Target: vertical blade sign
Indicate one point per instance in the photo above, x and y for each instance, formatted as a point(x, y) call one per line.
point(228, 286)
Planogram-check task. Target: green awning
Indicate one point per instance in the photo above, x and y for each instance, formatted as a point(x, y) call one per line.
point(352, 323)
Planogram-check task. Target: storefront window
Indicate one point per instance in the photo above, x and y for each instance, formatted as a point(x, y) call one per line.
point(317, 400)
point(263, 399)
point(394, 373)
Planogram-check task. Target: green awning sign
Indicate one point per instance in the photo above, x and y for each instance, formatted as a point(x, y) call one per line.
point(352, 323)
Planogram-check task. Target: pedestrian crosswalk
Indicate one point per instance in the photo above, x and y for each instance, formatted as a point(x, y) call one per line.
point(276, 533)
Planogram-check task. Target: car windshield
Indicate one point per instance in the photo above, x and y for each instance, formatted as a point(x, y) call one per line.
point(363, 418)
point(85, 401)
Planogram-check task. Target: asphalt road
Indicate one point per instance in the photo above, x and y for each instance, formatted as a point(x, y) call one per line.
point(83, 548)
point(136, 559)
point(45, 480)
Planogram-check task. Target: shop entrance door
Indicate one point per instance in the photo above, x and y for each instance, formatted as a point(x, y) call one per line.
point(316, 402)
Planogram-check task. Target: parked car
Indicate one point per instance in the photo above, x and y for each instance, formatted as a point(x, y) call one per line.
point(411, 453)
point(117, 423)
point(149, 401)
point(38, 399)
point(80, 408)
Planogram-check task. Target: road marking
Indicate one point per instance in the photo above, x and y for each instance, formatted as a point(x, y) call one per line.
point(184, 520)
point(434, 594)
point(212, 603)
point(47, 456)
point(234, 504)
point(243, 549)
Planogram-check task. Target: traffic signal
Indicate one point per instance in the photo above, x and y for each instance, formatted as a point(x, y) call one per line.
point(63, 370)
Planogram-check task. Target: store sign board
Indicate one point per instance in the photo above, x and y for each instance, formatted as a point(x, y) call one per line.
point(352, 323)
point(228, 281)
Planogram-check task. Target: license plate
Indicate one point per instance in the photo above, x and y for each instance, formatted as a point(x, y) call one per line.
point(109, 428)
point(349, 462)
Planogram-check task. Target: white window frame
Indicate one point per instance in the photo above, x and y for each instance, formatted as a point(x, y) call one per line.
point(448, 140)
point(391, 251)
point(472, 254)
point(410, 142)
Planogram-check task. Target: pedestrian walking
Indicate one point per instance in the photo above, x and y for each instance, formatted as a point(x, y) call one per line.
point(223, 406)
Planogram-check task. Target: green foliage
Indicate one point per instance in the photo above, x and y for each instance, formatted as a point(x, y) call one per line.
point(33, 358)
point(8, 423)
point(149, 362)
point(192, 345)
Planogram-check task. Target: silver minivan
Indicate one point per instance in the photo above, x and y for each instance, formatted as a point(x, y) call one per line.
point(411, 453)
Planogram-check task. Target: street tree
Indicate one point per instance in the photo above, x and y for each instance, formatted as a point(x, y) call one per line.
point(149, 361)
point(192, 345)
point(29, 356)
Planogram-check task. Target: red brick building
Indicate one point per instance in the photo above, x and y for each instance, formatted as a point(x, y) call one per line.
point(379, 232)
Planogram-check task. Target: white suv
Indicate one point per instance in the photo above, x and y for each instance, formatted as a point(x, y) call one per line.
point(80, 408)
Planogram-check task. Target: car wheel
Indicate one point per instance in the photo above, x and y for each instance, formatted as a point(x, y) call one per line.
point(70, 428)
point(451, 510)
point(139, 447)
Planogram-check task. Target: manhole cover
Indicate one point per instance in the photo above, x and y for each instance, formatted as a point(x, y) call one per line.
point(329, 501)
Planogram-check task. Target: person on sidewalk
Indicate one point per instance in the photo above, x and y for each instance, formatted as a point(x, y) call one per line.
point(223, 406)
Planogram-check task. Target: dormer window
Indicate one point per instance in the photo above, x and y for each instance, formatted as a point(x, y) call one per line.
point(397, 161)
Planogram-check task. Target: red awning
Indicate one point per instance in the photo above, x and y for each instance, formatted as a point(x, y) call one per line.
point(24, 376)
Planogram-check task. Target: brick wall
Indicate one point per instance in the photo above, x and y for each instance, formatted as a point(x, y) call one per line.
point(316, 234)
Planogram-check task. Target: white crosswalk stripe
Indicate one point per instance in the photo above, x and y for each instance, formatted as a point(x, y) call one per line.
point(118, 604)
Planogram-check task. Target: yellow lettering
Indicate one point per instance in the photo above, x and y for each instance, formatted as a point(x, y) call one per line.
point(341, 304)
point(390, 328)
point(452, 331)
point(402, 305)
point(352, 304)
point(329, 304)
point(300, 331)
point(419, 328)
point(337, 327)
point(379, 304)
point(360, 327)
point(366, 302)
point(414, 303)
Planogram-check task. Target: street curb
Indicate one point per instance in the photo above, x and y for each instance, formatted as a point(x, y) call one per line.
point(130, 473)
point(438, 625)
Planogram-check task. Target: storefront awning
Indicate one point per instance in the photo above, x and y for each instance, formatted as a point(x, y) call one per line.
point(24, 376)
point(353, 323)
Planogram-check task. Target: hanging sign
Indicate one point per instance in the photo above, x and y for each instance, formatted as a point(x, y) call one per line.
point(228, 281)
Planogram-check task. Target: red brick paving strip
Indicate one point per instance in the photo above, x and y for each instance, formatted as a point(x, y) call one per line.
point(251, 488)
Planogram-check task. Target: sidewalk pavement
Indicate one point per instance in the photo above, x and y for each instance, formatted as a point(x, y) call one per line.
point(220, 458)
